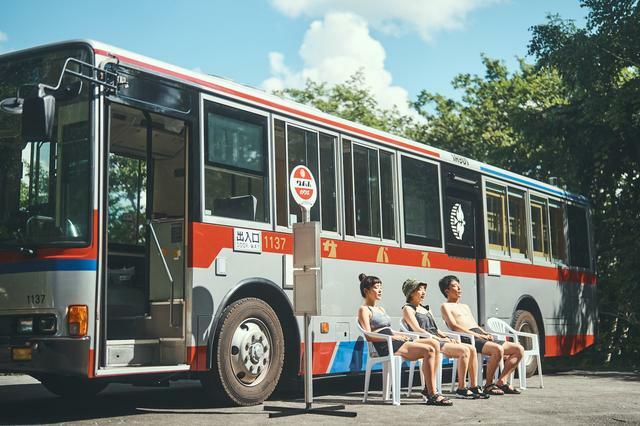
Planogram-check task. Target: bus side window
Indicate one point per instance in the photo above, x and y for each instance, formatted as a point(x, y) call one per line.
point(517, 224)
point(421, 202)
point(556, 228)
point(496, 219)
point(236, 171)
point(540, 228)
point(348, 187)
point(296, 146)
point(578, 237)
point(373, 183)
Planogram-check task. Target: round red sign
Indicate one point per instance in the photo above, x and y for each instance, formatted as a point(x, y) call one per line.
point(303, 187)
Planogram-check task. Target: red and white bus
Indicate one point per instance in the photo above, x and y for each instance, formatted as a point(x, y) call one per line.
point(145, 229)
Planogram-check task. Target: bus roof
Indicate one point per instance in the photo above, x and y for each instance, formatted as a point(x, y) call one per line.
point(262, 99)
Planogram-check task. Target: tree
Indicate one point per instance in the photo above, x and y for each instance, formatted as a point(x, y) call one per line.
point(600, 128)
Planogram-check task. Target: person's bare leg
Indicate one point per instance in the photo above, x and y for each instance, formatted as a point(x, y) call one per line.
point(414, 351)
point(462, 353)
point(495, 353)
point(514, 353)
point(473, 366)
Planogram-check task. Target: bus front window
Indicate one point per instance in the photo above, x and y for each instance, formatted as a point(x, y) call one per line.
point(45, 197)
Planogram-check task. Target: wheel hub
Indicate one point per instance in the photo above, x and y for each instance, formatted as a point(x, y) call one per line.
point(251, 352)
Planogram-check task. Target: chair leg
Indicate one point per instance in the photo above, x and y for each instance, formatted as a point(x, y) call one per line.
point(412, 366)
point(522, 373)
point(480, 367)
point(385, 380)
point(367, 377)
point(540, 371)
point(454, 374)
point(439, 374)
point(396, 380)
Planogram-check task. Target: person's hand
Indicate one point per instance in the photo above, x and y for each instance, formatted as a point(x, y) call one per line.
point(400, 338)
point(489, 337)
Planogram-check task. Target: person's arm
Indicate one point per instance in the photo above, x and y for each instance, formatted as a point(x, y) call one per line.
point(449, 318)
point(409, 317)
point(364, 318)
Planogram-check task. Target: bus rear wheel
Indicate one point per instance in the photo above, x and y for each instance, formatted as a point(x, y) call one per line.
point(72, 387)
point(249, 354)
point(524, 320)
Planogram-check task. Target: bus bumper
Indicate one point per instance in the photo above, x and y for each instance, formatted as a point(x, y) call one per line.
point(58, 355)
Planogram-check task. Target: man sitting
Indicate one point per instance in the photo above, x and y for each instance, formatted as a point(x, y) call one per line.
point(458, 317)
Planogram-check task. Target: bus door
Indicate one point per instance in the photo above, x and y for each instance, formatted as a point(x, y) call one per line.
point(144, 297)
point(463, 225)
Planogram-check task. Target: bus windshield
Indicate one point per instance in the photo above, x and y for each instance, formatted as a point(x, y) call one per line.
point(46, 184)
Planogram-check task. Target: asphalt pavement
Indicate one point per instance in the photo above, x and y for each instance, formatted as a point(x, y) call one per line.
point(575, 397)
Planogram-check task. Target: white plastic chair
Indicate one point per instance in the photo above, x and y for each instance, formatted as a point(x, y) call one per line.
point(500, 326)
point(418, 363)
point(391, 366)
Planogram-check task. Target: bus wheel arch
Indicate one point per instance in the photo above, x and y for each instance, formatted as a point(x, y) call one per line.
point(527, 317)
point(266, 296)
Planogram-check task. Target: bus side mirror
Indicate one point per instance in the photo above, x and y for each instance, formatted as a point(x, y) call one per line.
point(38, 113)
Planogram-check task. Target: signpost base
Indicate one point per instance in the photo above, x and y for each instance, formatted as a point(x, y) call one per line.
point(333, 410)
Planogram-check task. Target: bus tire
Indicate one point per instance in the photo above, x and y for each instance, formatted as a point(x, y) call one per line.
point(72, 387)
point(249, 355)
point(524, 320)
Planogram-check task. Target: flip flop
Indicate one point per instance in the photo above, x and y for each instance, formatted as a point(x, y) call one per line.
point(493, 389)
point(507, 389)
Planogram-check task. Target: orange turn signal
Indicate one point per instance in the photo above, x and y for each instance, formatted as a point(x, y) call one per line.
point(78, 320)
point(324, 327)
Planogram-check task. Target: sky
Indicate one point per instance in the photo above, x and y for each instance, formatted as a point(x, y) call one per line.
point(403, 46)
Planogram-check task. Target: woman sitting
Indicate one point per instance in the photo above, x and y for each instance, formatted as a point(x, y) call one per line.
point(373, 318)
point(419, 319)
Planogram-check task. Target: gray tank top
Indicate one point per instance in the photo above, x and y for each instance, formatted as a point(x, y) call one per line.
point(425, 321)
point(378, 319)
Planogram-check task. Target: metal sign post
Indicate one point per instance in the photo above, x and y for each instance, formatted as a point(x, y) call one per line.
point(306, 287)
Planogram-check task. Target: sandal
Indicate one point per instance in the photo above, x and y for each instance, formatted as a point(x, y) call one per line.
point(466, 393)
point(508, 389)
point(493, 389)
point(477, 390)
point(438, 399)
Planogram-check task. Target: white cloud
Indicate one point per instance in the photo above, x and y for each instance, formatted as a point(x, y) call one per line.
point(333, 49)
point(425, 17)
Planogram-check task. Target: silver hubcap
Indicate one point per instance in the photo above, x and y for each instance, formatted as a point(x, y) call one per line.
point(251, 352)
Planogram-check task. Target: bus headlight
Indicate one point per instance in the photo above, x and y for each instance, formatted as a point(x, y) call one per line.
point(25, 326)
point(47, 325)
point(78, 320)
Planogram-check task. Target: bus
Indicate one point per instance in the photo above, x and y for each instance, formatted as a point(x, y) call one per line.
point(146, 229)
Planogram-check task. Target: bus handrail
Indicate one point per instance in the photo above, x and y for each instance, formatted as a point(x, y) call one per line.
point(166, 269)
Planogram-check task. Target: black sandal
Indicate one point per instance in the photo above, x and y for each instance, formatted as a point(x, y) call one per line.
point(493, 389)
point(433, 400)
point(507, 389)
point(466, 393)
point(477, 390)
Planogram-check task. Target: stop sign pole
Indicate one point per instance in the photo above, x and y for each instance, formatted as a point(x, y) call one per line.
point(307, 284)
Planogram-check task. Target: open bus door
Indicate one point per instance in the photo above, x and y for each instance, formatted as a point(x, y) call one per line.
point(144, 288)
point(463, 224)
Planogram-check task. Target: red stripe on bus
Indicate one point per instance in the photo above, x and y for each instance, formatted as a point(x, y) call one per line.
point(209, 239)
point(87, 253)
point(569, 344)
point(90, 363)
point(322, 354)
point(270, 104)
point(197, 357)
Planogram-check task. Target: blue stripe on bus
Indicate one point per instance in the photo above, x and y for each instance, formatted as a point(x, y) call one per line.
point(351, 357)
point(533, 184)
point(49, 265)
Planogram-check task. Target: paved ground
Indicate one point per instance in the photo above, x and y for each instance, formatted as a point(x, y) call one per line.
point(572, 397)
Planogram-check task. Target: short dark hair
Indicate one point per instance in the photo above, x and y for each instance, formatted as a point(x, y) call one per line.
point(367, 282)
point(445, 282)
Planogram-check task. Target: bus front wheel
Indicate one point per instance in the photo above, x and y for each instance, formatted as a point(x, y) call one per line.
point(524, 320)
point(72, 387)
point(249, 354)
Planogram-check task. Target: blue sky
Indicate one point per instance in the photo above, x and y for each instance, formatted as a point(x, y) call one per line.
point(402, 45)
